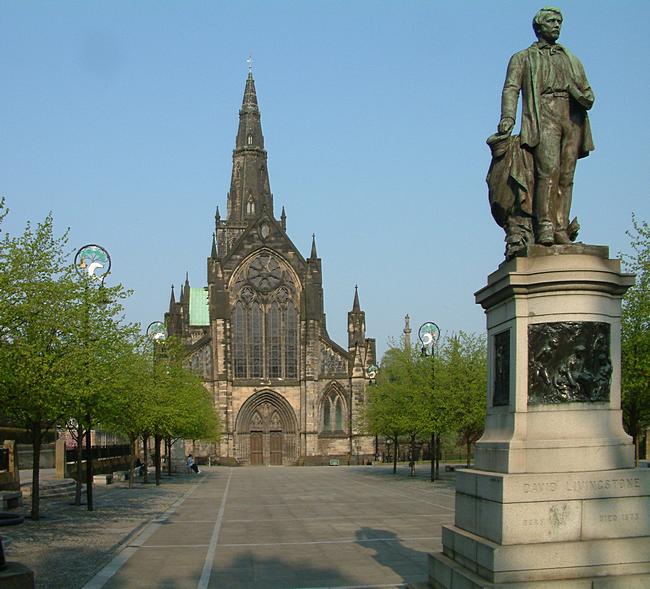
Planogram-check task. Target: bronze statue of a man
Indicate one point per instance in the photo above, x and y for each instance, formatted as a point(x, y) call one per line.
point(554, 125)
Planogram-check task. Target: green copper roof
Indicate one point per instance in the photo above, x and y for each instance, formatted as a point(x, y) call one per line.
point(199, 311)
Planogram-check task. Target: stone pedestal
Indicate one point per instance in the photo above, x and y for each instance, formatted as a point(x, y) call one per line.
point(16, 576)
point(554, 500)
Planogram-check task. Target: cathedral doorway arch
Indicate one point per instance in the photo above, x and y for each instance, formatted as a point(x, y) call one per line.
point(267, 430)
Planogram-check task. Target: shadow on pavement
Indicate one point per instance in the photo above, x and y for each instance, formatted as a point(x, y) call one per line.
point(408, 563)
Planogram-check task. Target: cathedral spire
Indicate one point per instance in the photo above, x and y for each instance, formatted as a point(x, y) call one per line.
point(172, 301)
point(356, 307)
point(250, 191)
point(314, 255)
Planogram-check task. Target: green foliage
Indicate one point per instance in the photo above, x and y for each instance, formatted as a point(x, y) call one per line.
point(390, 408)
point(39, 298)
point(635, 335)
point(158, 394)
point(420, 396)
point(463, 367)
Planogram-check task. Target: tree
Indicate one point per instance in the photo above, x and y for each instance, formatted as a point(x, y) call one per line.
point(158, 394)
point(38, 304)
point(635, 337)
point(58, 334)
point(464, 372)
point(189, 409)
point(388, 409)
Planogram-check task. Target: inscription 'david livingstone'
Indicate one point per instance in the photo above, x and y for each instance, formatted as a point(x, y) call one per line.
point(569, 362)
point(576, 486)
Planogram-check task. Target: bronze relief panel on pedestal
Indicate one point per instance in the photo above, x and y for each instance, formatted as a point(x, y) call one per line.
point(569, 362)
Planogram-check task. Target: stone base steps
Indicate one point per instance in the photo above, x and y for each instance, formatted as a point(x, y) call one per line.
point(58, 488)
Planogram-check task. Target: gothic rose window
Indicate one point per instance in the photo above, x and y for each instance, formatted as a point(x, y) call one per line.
point(265, 319)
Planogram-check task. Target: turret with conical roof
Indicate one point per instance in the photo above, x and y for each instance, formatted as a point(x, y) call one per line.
point(314, 307)
point(356, 323)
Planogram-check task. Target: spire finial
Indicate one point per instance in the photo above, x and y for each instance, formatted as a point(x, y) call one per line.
point(249, 61)
point(187, 278)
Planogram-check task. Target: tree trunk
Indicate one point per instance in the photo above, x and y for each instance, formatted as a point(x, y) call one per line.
point(432, 450)
point(437, 456)
point(412, 461)
point(145, 450)
point(78, 482)
point(89, 466)
point(156, 454)
point(37, 436)
point(469, 450)
point(395, 456)
point(132, 439)
point(169, 443)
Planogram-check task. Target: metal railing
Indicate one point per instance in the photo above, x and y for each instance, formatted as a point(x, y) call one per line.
point(99, 452)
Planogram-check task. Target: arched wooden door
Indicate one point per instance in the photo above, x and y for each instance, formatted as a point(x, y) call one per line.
point(266, 431)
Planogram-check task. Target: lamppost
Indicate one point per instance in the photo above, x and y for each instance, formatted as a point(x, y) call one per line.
point(157, 333)
point(94, 262)
point(371, 375)
point(429, 334)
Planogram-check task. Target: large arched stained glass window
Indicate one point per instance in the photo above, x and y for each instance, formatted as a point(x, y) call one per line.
point(265, 319)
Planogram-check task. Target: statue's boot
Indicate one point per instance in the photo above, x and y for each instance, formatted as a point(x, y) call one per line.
point(544, 228)
point(562, 209)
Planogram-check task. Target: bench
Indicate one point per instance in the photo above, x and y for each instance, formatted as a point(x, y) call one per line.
point(454, 467)
point(11, 499)
point(103, 479)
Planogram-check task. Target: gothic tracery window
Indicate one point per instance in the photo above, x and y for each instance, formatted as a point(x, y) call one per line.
point(265, 319)
point(333, 410)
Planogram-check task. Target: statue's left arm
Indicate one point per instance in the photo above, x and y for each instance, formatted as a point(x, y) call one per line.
point(579, 87)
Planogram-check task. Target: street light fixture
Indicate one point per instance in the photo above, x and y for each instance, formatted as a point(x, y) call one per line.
point(157, 333)
point(429, 334)
point(94, 261)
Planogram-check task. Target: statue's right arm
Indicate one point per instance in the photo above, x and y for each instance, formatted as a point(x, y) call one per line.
point(510, 93)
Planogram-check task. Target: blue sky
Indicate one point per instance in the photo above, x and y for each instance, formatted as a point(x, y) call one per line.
point(120, 117)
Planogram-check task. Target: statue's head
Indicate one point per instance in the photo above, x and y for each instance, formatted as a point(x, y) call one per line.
point(547, 23)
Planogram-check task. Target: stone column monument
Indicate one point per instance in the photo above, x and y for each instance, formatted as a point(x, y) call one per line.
point(554, 500)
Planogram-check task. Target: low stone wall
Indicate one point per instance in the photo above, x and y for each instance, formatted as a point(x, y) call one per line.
point(100, 466)
point(26, 456)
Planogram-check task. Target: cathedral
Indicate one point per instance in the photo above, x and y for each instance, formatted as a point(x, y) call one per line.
point(284, 391)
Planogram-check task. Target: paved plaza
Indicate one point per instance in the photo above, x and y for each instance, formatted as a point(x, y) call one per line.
point(278, 527)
